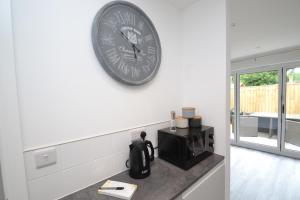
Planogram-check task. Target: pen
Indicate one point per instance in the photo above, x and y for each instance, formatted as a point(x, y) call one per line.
point(111, 188)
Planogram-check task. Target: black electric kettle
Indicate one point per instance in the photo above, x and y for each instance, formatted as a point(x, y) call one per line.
point(139, 159)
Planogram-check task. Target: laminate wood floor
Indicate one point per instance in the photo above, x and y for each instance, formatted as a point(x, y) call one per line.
point(257, 175)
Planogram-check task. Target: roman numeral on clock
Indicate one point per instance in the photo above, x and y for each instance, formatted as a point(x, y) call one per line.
point(113, 56)
point(140, 25)
point(129, 18)
point(120, 17)
point(111, 24)
point(148, 37)
point(152, 58)
point(151, 50)
point(135, 73)
point(123, 67)
point(146, 68)
point(107, 40)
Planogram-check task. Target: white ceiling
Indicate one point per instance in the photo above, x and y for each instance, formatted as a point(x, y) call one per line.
point(263, 25)
point(181, 4)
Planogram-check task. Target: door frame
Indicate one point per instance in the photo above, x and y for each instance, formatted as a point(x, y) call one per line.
point(290, 152)
point(234, 75)
point(11, 143)
point(257, 70)
point(279, 149)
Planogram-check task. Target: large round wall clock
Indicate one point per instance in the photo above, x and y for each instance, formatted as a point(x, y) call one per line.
point(126, 43)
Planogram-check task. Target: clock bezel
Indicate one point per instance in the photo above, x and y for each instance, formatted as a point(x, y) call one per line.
point(100, 56)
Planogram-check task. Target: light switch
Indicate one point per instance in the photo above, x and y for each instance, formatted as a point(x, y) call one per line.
point(45, 157)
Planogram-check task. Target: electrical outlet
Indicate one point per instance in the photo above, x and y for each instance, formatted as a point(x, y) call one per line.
point(45, 158)
point(136, 133)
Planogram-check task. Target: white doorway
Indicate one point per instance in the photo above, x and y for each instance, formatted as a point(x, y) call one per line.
point(265, 109)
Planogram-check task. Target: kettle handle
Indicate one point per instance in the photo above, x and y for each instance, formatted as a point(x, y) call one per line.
point(149, 144)
point(127, 163)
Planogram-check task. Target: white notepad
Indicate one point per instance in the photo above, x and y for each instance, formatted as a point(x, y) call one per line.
point(127, 193)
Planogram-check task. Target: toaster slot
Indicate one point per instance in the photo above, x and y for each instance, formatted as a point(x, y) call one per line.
point(196, 143)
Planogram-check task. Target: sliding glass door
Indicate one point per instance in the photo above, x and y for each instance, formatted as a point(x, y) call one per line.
point(258, 108)
point(232, 108)
point(291, 111)
point(265, 109)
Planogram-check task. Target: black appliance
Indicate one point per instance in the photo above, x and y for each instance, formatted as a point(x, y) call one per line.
point(139, 159)
point(185, 147)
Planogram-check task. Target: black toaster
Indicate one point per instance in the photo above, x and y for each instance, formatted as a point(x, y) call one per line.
point(185, 147)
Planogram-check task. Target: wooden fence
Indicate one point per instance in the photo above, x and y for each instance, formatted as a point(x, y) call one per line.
point(265, 98)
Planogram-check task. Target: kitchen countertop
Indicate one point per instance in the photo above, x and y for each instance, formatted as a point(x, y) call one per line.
point(166, 181)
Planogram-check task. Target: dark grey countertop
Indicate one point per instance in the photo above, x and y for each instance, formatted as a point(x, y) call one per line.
point(166, 181)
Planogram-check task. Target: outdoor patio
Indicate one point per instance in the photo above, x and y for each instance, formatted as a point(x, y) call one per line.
point(264, 139)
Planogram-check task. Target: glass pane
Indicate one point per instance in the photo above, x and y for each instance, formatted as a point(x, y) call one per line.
point(292, 122)
point(232, 105)
point(259, 107)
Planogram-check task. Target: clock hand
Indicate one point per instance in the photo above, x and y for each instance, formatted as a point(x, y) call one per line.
point(134, 46)
point(135, 49)
point(124, 36)
point(134, 52)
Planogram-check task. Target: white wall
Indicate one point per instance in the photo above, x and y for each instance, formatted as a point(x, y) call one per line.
point(64, 92)
point(69, 103)
point(204, 64)
point(11, 151)
point(267, 24)
point(274, 58)
point(82, 163)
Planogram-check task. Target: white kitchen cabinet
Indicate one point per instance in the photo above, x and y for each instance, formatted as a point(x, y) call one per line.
point(209, 187)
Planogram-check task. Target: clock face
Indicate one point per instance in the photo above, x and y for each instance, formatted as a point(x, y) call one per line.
point(126, 43)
